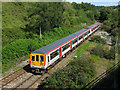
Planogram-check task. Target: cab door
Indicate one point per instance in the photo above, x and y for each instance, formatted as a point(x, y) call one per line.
point(37, 62)
point(35, 59)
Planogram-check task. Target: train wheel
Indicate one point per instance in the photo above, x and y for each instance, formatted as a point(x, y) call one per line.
point(33, 70)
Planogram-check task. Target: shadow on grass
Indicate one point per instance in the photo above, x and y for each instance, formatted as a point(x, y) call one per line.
point(106, 80)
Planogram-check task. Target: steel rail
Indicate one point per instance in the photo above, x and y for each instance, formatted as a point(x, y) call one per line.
point(91, 84)
point(11, 73)
point(33, 82)
point(12, 79)
point(23, 81)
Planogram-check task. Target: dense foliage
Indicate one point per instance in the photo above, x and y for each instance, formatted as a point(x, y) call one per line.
point(103, 52)
point(75, 75)
point(97, 39)
point(109, 17)
point(21, 20)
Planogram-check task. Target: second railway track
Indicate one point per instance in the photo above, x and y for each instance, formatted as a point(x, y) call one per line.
point(9, 78)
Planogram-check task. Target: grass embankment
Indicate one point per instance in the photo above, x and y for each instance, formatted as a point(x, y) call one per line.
point(79, 71)
point(19, 40)
point(23, 47)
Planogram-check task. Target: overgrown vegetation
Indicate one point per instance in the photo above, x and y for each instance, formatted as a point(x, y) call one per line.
point(21, 20)
point(102, 52)
point(97, 39)
point(75, 75)
point(109, 17)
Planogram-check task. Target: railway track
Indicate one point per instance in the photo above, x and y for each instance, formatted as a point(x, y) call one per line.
point(9, 78)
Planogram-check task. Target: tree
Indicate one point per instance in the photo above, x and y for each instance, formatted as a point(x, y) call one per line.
point(49, 14)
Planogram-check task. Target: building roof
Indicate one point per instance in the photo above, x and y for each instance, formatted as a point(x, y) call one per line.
point(57, 43)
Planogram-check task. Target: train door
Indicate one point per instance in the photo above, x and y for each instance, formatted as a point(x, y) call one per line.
point(70, 44)
point(83, 37)
point(60, 52)
point(35, 60)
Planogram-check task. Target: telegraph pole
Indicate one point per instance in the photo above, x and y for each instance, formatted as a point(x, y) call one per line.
point(115, 62)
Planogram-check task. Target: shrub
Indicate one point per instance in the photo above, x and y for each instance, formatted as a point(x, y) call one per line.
point(101, 52)
point(97, 39)
point(16, 49)
point(75, 75)
point(98, 50)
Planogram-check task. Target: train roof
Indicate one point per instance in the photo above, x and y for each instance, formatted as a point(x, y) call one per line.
point(92, 25)
point(57, 43)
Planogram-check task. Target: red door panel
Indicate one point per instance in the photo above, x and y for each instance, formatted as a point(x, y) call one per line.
point(60, 52)
point(70, 44)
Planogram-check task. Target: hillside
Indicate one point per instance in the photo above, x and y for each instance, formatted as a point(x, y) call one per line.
point(21, 23)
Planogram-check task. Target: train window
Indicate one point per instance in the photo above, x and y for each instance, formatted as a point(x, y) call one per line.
point(74, 41)
point(33, 58)
point(66, 46)
point(37, 57)
point(80, 37)
point(93, 29)
point(88, 31)
point(85, 34)
point(48, 58)
point(54, 54)
point(41, 58)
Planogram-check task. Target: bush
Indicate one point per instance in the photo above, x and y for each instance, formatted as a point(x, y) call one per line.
point(97, 39)
point(75, 75)
point(98, 50)
point(110, 54)
point(101, 52)
point(16, 49)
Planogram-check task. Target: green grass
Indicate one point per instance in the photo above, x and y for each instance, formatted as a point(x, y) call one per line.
point(13, 14)
point(103, 35)
point(84, 47)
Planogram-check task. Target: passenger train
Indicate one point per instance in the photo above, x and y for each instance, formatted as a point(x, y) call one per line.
point(41, 59)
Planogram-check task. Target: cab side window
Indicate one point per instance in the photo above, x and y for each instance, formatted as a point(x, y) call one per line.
point(41, 58)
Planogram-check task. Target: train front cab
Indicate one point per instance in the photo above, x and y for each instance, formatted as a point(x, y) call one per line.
point(37, 61)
